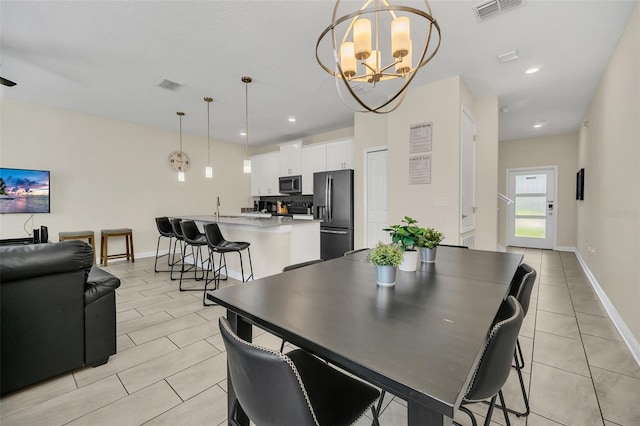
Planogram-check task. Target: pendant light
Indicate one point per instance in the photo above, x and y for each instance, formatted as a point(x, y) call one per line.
point(208, 171)
point(181, 169)
point(247, 163)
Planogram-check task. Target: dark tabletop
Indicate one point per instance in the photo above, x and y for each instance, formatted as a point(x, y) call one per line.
point(419, 339)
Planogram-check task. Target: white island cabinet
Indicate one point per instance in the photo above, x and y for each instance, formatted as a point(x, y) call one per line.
point(276, 242)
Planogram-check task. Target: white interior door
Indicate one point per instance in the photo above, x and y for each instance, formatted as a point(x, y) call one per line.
point(467, 173)
point(531, 218)
point(376, 197)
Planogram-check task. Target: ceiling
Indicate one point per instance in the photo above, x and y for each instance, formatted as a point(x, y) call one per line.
point(107, 58)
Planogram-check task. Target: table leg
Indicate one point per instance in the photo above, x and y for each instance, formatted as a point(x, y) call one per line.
point(244, 331)
point(421, 415)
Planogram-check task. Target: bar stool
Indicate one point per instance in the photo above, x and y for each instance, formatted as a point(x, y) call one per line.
point(177, 233)
point(166, 231)
point(217, 244)
point(80, 235)
point(196, 240)
point(105, 234)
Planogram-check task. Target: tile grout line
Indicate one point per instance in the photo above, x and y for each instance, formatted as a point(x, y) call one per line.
point(595, 390)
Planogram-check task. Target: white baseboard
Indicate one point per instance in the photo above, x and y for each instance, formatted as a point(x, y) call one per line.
point(565, 248)
point(618, 322)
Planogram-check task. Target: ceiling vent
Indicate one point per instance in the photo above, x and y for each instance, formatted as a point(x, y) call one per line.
point(488, 8)
point(169, 85)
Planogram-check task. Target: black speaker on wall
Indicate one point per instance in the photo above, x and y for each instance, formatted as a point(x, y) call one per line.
point(580, 185)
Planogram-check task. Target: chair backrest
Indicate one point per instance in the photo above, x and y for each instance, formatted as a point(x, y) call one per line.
point(164, 227)
point(190, 231)
point(213, 234)
point(350, 252)
point(177, 229)
point(301, 265)
point(494, 366)
point(267, 384)
point(522, 285)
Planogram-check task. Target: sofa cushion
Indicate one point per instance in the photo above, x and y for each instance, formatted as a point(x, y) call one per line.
point(99, 283)
point(22, 262)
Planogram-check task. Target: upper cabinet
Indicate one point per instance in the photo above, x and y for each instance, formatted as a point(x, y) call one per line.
point(291, 159)
point(264, 174)
point(294, 159)
point(314, 159)
point(340, 154)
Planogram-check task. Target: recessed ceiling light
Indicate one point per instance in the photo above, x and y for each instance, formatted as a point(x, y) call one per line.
point(292, 119)
point(243, 133)
point(532, 70)
point(539, 124)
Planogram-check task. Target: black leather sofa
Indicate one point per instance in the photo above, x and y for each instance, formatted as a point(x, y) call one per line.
point(57, 312)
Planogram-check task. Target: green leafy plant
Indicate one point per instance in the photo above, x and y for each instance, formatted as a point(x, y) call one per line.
point(429, 237)
point(406, 234)
point(385, 255)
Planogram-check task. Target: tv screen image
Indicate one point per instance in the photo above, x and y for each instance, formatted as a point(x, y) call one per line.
point(24, 191)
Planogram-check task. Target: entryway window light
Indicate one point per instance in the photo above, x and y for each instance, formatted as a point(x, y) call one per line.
point(247, 163)
point(208, 171)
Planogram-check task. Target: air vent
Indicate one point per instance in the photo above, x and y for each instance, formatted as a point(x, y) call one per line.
point(485, 9)
point(169, 85)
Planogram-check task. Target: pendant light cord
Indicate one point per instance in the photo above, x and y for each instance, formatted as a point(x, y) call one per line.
point(208, 135)
point(246, 118)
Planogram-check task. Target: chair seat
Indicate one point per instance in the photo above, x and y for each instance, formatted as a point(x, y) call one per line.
point(229, 246)
point(201, 240)
point(116, 232)
point(337, 399)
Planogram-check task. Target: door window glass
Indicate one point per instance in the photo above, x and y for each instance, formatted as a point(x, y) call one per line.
point(531, 184)
point(531, 206)
point(531, 228)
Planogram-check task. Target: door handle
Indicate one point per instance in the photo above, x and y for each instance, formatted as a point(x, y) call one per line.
point(325, 231)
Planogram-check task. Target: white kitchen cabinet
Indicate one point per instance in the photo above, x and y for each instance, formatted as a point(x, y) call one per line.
point(340, 154)
point(265, 170)
point(256, 175)
point(291, 159)
point(314, 159)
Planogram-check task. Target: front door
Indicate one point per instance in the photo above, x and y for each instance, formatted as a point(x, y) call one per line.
point(532, 217)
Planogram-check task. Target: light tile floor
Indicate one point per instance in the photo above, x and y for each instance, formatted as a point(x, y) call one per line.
point(170, 367)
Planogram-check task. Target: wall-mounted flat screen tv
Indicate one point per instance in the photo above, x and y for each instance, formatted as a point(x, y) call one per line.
point(24, 191)
point(580, 185)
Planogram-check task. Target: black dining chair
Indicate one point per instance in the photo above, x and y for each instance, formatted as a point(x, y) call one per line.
point(165, 231)
point(521, 288)
point(350, 252)
point(301, 265)
point(492, 371)
point(295, 388)
point(194, 240)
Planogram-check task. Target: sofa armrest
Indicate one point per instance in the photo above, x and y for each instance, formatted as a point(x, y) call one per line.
point(99, 283)
point(22, 262)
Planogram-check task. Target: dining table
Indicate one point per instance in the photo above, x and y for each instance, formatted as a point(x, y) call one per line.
point(419, 340)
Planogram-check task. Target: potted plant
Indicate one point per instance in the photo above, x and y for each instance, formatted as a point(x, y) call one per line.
point(406, 235)
point(386, 258)
point(427, 241)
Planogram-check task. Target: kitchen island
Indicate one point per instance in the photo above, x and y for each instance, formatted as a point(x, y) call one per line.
point(275, 241)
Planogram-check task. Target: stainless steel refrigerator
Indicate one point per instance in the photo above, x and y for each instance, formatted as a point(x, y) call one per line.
point(333, 204)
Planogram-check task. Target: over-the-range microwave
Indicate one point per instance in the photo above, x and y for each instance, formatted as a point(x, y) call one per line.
point(290, 184)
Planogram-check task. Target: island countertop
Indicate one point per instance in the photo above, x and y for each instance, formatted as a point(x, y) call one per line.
point(276, 242)
point(255, 222)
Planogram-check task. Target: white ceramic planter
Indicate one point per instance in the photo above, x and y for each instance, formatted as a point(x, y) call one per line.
point(409, 261)
point(386, 275)
point(428, 255)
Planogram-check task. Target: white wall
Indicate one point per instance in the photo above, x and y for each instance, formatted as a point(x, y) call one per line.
point(608, 220)
point(556, 150)
point(114, 174)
